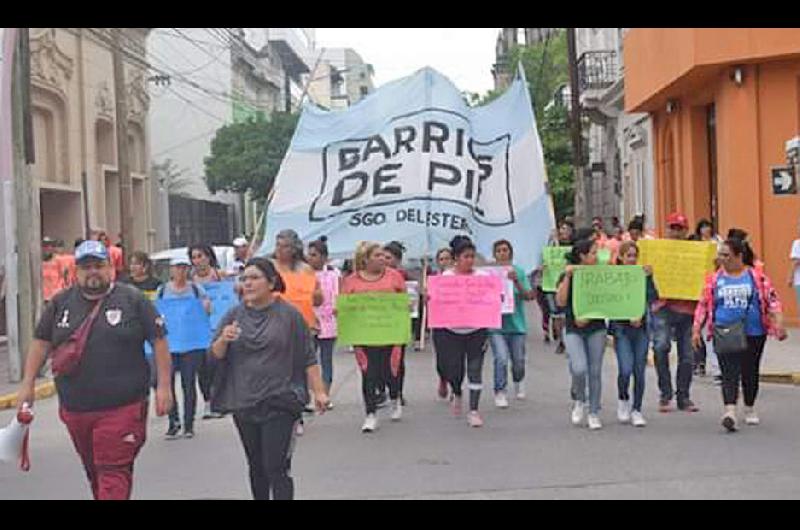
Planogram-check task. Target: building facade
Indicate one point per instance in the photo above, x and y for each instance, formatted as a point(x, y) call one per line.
point(723, 102)
point(73, 112)
point(340, 78)
point(620, 168)
point(216, 76)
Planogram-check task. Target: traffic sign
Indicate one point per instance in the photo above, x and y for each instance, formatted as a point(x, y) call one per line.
point(784, 180)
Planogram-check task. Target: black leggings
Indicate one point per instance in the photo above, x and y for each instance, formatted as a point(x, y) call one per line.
point(268, 446)
point(377, 375)
point(742, 366)
point(205, 376)
point(458, 350)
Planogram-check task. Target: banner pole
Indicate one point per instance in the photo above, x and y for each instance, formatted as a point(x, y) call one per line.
point(424, 315)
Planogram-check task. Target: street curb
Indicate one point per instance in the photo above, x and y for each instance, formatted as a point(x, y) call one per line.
point(42, 391)
point(783, 378)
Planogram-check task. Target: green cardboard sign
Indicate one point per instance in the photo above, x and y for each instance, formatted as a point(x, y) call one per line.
point(555, 261)
point(614, 292)
point(373, 319)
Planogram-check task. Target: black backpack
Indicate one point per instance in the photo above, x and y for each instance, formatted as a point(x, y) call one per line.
point(161, 287)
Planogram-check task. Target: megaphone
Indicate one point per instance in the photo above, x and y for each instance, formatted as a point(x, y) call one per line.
point(14, 439)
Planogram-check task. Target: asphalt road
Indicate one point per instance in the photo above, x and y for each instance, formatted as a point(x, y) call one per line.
point(529, 451)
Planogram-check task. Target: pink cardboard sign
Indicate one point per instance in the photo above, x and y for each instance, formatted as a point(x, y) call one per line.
point(329, 283)
point(462, 301)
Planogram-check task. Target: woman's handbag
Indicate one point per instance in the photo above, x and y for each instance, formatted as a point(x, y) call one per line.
point(67, 355)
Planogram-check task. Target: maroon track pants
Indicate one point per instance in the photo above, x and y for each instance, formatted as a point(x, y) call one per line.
point(108, 442)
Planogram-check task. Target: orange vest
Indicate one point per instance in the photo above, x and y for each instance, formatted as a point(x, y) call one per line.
point(52, 278)
point(69, 269)
point(300, 293)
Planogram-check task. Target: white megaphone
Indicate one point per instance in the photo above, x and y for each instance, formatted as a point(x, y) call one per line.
point(14, 439)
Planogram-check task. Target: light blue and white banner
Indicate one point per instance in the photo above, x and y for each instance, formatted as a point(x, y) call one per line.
point(413, 162)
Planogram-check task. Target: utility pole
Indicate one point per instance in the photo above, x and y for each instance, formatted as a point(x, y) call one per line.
point(582, 184)
point(123, 167)
point(22, 215)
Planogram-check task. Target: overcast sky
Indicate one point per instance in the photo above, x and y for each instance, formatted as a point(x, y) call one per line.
point(465, 55)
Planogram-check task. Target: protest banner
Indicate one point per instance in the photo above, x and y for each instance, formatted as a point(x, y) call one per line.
point(614, 292)
point(462, 301)
point(415, 163)
point(507, 292)
point(223, 297)
point(329, 283)
point(187, 323)
point(679, 267)
point(555, 261)
point(412, 288)
point(373, 319)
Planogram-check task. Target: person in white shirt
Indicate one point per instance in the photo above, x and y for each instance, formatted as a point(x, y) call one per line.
point(241, 253)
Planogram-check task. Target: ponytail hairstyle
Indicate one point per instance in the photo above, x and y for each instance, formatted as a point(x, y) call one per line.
point(266, 266)
point(580, 247)
point(742, 247)
point(363, 251)
point(624, 248)
point(320, 245)
point(461, 244)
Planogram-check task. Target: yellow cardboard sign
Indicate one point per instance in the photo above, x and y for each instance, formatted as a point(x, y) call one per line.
point(679, 267)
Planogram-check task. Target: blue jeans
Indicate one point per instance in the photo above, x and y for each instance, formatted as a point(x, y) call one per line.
point(188, 365)
point(666, 325)
point(631, 347)
point(504, 346)
point(325, 349)
point(585, 354)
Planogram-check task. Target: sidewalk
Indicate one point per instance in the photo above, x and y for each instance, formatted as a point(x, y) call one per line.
point(8, 391)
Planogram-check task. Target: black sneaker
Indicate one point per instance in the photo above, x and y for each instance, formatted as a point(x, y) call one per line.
point(687, 405)
point(729, 423)
point(381, 400)
point(560, 349)
point(188, 433)
point(173, 432)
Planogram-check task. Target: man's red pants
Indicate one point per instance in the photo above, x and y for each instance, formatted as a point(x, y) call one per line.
point(108, 442)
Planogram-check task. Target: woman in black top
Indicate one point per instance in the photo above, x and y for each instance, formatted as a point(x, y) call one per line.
point(141, 274)
point(266, 353)
point(585, 340)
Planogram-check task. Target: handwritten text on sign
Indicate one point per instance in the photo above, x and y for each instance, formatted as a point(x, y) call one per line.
point(373, 319)
point(679, 267)
point(555, 261)
point(615, 292)
point(465, 302)
point(508, 286)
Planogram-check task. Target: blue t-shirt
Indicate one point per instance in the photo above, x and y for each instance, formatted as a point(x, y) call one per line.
point(736, 297)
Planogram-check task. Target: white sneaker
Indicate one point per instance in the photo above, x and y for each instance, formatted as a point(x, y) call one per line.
point(397, 410)
point(624, 411)
point(594, 422)
point(500, 400)
point(520, 389)
point(370, 423)
point(751, 418)
point(637, 419)
point(577, 413)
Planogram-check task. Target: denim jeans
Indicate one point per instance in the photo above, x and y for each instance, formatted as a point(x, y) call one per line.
point(631, 345)
point(325, 350)
point(187, 364)
point(666, 325)
point(503, 347)
point(585, 353)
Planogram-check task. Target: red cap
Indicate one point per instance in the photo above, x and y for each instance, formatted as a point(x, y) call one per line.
point(677, 218)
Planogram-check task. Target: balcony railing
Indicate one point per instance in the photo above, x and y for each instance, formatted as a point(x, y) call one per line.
point(597, 70)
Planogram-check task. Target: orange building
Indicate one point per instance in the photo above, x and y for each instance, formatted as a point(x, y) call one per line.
point(724, 102)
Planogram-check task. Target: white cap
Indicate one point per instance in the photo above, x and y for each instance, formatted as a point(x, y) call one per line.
point(180, 260)
point(240, 242)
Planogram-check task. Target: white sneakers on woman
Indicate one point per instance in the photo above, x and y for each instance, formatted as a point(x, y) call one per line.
point(594, 423)
point(637, 419)
point(501, 400)
point(397, 410)
point(750, 417)
point(370, 423)
point(624, 411)
point(577, 413)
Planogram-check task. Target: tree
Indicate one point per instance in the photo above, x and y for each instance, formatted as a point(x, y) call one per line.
point(245, 157)
point(547, 69)
point(170, 177)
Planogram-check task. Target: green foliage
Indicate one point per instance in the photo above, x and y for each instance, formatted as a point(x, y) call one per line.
point(547, 69)
point(246, 156)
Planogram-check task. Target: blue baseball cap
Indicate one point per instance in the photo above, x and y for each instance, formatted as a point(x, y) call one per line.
point(91, 250)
